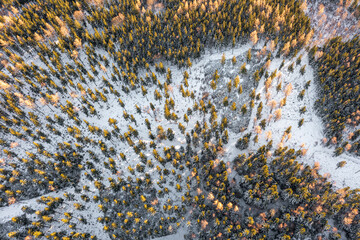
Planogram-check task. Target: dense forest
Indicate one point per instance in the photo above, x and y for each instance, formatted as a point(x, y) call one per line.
point(338, 65)
point(104, 120)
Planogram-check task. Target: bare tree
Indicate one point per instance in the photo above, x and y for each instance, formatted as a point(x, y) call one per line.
point(278, 114)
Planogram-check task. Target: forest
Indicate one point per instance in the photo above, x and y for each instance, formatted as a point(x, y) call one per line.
point(140, 119)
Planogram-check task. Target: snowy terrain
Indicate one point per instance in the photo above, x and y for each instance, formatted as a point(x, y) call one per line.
point(307, 137)
point(310, 135)
point(116, 135)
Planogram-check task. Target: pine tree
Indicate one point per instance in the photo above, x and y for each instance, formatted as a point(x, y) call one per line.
point(233, 106)
point(223, 59)
point(213, 85)
point(243, 68)
point(301, 122)
point(186, 119)
point(226, 101)
point(302, 70)
point(244, 109)
point(233, 60)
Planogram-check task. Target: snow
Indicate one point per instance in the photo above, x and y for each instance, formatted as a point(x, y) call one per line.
point(6, 213)
point(309, 136)
point(178, 236)
point(311, 133)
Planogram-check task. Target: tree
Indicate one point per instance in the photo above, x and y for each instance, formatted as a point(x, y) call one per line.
point(189, 63)
point(272, 46)
point(282, 64)
point(288, 89)
point(278, 114)
point(291, 67)
point(167, 112)
point(272, 105)
point(233, 60)
point(225, 101)
point(170, 134)
point(240, 89)
point(117, 20)
point(302, 70)
point(233, 106)
point(186, 119)
point(236, 81)
point(243, 68)
point(144, 91)
point(223, 59)
point(301, 122)
point(286, 49)
point(229, 85)
point(256, 76)
point(321, 9)
point(213, 85)
point(248, 56)
point(303, 110)
point(244, 109)
point(148, 125)
point(253, 37)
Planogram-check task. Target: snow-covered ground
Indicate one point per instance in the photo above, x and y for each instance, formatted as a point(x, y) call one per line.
point(308, 137)
point(177, 236)
point(6, 213)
